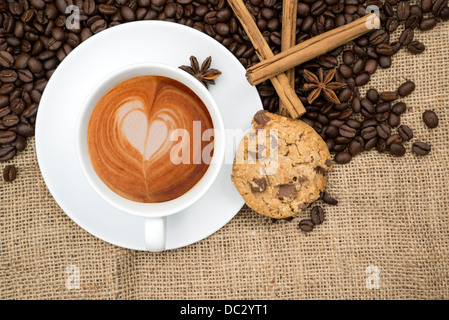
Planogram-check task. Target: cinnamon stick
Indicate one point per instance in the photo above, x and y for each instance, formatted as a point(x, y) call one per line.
point(288, 40)
point(310, 49)
point(280, 82)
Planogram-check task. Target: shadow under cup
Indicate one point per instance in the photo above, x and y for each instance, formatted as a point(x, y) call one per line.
point(154, 213)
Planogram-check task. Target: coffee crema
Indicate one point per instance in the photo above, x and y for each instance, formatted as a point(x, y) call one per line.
point(129, 142)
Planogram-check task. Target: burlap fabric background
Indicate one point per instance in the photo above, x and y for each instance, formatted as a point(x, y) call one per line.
point(388, 238)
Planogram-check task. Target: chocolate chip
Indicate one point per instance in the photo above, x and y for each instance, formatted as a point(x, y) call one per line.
point(259, 184)
point(286, 191)
point(261, 118)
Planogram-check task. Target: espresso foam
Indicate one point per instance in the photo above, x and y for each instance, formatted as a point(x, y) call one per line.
point(129, 138)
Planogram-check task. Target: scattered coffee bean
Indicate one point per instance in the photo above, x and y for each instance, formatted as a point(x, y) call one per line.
point(430, 118)
point(406, 88)
point(428, 23)
point(306, 225)
point(317, 215)
point(7, 153)
point(421, 148)
point(9, 173)
point(416, 47)
point(399, 108)
point(328, 199)
point(388, 96)
point(397, 149)
point(405, 132)
point(343, 157)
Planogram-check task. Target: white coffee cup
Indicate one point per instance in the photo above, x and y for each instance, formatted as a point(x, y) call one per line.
point(154, 213)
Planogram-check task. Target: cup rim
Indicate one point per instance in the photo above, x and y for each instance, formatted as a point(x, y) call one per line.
point(149, 210)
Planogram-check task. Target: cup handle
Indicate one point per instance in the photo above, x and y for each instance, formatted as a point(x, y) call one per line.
point(155, 233)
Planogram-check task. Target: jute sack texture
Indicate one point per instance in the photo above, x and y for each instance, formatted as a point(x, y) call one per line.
point(388, 238)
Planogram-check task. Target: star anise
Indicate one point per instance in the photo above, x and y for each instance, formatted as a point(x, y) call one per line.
point(205, 74)
point(321, 84)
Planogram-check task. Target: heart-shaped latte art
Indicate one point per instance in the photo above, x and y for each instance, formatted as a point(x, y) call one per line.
point(129, 138)
point(147, 137)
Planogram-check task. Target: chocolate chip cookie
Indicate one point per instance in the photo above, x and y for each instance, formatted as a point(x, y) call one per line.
point(279, 167)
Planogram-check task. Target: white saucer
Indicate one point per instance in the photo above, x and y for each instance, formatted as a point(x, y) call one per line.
point(143, 41)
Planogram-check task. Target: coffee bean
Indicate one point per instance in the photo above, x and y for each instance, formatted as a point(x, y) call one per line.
point(383, 107)
point(17, 106)
point(428, 24)
point(444, 14)
point(7, 136)
point(403, 10)
point(328, 199)
point(20, 143)
point(347, 132)
point(359, 66)
point(348, 57)
point(354, 147)
point(384, 49)
point(406, 88)
point(412, 22)
point(7, 153)
point(438, 5)
point(98, 26)
point(371, 66)
point(6, 59)
point(317, 215)
point(345, 70)
point(362, 79)
point(343, 157)
point(25, 130)
point(421, 148)
point(379, 36)
point(10, 120)
point(34, 65)
point(306, 225)
point(327, 61)
point(25, 75)
point(394, 120)
point(370, 144)
point(406, 37)
point(405, 132)
point(430, 118)
point(383, 131)
point(399, 108)
point(344, 95)
point(9, 173)
point(388, 96)
point(38, 4)
point(369, 133)
point(426, 5)
point(416, 47)
point(385, 62)
point(392, 24)
point(394, 138)
point(222, 29)
point(367, 105)
point(360, 52)
point(397, 149)
point(8, 75)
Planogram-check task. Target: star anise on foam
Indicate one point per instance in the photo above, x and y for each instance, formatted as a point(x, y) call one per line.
point(205, 74)
point(320, 83)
